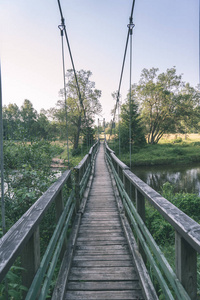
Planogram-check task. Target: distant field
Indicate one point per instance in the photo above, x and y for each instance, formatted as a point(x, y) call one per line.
point(192, 137)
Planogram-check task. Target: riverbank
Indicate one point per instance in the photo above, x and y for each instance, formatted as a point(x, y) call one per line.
point(169, 150)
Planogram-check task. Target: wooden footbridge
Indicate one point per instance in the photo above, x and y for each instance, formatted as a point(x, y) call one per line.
point(100, 247)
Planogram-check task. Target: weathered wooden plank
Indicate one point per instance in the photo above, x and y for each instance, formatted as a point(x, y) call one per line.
point(103, 263)
point(103, 285)
point(99, 235)
point(101, 238)
point(97, 214)
point(104, 270)
point(100, 243)
point(99, 198)
point(104, 295)
point(101, 276)
point(99, 231)
point(100, 222)
point(102, 252)
point(102, 257)
point(98, 217)
point(102, 248)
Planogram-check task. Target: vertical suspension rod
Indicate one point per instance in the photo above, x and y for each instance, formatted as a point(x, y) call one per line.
point(130, 26)
point(123, 63)
point(61, 27)
point(199, 44)
point(2, 161)
point(72, 61)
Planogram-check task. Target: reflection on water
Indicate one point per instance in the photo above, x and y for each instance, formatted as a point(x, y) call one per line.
point(185, 178)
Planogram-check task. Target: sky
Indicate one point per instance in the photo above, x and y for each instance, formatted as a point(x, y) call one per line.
point(166, 34)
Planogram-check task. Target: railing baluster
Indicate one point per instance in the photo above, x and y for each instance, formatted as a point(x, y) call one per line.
point(186, 265)
point(77, 187)
point(30, 258)
point(140, 207)
point(59, 204)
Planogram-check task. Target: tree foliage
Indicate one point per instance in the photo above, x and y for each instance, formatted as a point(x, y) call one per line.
point(80, 112)
point(25, 123)
point(167, 103)
point(131, 123)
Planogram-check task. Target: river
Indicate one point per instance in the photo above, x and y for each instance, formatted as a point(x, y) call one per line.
point(184, 178)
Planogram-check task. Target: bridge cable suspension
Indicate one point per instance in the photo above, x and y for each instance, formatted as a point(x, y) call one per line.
point(61, 27)
point(73, 66)
point(130, 26)
point(129, 34)
point(2, 162)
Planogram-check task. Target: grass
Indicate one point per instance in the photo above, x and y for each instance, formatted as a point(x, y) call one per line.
point(171, 149)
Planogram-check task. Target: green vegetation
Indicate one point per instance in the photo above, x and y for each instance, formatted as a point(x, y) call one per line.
point(28, 174)
point(73, 119)
point(162, 231)
point(159, 104)
point(165, 153)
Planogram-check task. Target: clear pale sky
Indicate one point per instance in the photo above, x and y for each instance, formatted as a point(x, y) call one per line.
point(166, 34)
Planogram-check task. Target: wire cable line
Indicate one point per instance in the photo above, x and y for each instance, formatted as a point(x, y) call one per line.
point(62, 27)
point(2, 162)
point(130, 28)
point(72, 61)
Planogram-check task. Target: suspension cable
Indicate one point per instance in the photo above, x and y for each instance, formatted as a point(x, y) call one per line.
point(72, 61)
point(123, 63)
point(2, 162)
point(61, 27)
point(130, 26)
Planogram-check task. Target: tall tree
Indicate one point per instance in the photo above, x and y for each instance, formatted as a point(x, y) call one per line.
point(131, 119)
point(188, 110)
point(80, 112)
point(11, 121)
point(159, 95)
point(29, 118)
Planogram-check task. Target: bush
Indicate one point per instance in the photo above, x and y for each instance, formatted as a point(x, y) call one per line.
point(177, 140)
point(161, 230)
point(76, 152)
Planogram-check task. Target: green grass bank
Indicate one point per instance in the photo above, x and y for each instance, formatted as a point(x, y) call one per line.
point(167, 151)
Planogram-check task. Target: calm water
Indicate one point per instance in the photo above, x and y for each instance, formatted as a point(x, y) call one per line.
point(184, 178)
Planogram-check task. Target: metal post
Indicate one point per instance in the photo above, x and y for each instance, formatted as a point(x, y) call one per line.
point(130, 26)
point(119, 127)
point(98, 129)
point(62, 27)
point(104, 129)
point(2, 161)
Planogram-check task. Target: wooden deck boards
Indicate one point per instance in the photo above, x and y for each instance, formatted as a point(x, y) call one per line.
point(102, 267)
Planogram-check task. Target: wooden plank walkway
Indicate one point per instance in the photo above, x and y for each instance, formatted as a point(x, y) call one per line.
point(102, 267)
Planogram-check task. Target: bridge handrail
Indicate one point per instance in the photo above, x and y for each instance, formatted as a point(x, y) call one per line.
point(187, 227)
point(82, 171)
point(19, 234)
point(187, 230)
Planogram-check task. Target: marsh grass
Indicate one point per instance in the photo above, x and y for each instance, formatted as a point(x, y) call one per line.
point(170, 150)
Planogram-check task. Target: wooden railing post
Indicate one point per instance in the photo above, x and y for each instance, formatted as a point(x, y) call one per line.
point(186, 265)
point(59, 205)
point(140, 207)
point(30, 258)
point(77, 187)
